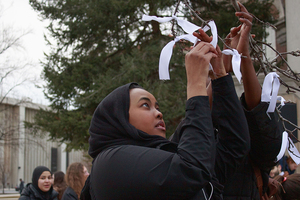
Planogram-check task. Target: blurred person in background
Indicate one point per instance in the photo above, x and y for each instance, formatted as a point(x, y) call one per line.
point(59, 184)
point(21, 185)
point(288, 165)
point(41, 186)
point(288, 188)
point(75, 177)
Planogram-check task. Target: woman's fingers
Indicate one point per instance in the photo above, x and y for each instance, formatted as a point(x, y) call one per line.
point(242, 7)
point(245, 22)
point(234, 31)
point(206, 48)
point(202, 36)
point(244, 15)
point(203, 50)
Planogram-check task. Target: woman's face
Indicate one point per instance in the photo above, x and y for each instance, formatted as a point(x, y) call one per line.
point(292, 166)
point(85, 173)
point(45, 181)
point(144, 113)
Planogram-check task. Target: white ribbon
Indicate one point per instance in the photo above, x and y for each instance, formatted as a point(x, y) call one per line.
point(166, 53)
point(284, 144)
point(187, 26)
point(236, 62)
point(214, 32)
point(270, 90)
point(288, 144)
point(293, 152)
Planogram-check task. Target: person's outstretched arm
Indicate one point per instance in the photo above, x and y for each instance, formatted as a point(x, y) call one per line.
point(228, 118)
point(238, 38)
point(263, 128)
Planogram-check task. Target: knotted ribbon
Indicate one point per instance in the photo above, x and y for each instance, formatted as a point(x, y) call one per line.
point(236, 62)
point(270, 90)
point(189, 28)
point(284, 144)
point(287, 144)
point(293, 151)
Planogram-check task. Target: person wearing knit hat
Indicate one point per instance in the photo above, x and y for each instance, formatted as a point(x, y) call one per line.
point(41, 186)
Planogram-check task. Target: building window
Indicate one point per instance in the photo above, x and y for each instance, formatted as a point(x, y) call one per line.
point(53, 159)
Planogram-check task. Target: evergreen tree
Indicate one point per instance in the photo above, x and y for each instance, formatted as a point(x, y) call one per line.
point(103, 44)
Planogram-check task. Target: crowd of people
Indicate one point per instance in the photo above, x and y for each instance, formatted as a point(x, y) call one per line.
point(224, 148)
point(56, 186)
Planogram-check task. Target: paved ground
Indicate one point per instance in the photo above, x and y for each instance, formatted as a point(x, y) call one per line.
point(9, 194)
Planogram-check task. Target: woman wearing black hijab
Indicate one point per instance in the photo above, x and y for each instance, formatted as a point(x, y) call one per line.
point(132, 157)
point(41, 186)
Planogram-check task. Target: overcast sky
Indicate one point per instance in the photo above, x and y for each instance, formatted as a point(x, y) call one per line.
point(20, 17)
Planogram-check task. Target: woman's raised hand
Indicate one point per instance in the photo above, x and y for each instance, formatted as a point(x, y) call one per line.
point(216, 62)
point(197, 67)
point(238, 38)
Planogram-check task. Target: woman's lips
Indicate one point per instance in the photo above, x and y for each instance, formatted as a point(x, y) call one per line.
point(160, 125)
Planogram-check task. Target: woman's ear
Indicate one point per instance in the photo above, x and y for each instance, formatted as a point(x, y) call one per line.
point(279, 168)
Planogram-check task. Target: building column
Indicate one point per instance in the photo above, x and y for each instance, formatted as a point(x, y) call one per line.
point(63, 158)
point(292, 8)
point(21, 154)
point(271, 39)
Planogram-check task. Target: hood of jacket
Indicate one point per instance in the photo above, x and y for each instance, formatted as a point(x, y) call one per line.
point(110, 124)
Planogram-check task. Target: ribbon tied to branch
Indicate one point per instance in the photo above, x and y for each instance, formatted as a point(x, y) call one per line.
point(236, 62)
point(270, 90)
point(287, 144)
point(189, 28)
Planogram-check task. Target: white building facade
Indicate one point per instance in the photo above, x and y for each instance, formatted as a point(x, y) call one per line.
point(21, 151)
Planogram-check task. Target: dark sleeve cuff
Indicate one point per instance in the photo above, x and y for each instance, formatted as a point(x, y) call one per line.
point(264, 134)
point(193, 102)
point(223, 85)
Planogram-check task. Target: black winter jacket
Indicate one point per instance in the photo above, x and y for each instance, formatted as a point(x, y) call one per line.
point(136, 172)
point(150, 167)
point(231, 129)
point(265, 146)
point(69, 194)
point(30, 193)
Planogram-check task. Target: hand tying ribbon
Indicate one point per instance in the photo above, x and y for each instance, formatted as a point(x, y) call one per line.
point(189, 28)
point(270, 90)
point(236, 62)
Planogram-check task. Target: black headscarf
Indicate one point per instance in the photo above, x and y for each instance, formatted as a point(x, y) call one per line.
point(37, 172)
point(110, 125)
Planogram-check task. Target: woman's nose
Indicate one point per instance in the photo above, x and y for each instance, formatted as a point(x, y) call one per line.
point(159, 114)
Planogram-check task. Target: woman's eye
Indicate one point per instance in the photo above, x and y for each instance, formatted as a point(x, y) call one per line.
point(145, 105)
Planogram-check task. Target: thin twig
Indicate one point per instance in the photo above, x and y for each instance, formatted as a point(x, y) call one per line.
point(173, 21)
